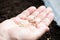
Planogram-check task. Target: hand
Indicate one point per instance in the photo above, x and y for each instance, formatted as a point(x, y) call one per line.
point(29, 25)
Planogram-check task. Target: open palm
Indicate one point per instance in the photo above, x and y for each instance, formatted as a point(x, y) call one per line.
point(30, 24)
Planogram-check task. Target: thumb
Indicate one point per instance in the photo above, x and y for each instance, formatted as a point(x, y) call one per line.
point(41, 30)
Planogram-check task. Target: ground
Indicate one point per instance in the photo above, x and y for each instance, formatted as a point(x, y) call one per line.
point(11, 8)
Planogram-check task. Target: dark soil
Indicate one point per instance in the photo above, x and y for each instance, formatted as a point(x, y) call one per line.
point(11, 8)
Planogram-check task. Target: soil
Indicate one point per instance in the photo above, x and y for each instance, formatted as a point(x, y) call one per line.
point(11, 8)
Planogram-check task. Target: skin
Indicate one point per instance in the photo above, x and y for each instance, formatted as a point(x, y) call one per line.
point(11, 29)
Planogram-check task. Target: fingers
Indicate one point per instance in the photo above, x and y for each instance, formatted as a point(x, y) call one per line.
point(27, 12)
point(34, 14)
point(48, 19)
point(43, 26)
point(43, 14)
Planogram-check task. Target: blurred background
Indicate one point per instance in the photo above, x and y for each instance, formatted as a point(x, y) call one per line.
point(55, 5)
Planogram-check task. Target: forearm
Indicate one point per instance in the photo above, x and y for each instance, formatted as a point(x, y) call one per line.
point(3, 33)
point(4, 29)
